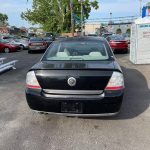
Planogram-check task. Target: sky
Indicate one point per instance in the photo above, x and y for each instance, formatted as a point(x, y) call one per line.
point(118, 8)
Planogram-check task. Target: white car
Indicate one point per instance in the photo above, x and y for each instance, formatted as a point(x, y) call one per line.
point(22, 43)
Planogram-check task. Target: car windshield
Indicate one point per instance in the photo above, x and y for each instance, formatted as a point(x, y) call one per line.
point(4, 41)
point(47, 39)
point(36, 39)
point(17, 40)
point(117, 38)
point(77, 50)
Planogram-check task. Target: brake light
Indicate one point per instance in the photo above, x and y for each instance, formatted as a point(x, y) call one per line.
point(113, 42)
point(30, 44)
point(44, 44)
point(31, 81)
point(116, 82)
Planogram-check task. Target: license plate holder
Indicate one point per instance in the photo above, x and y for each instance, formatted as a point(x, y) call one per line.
point(72, 107)
point(37, 48)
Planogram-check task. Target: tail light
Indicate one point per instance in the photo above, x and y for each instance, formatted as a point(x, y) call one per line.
point(116, 82)
point(44, 44)
point(30, 44)
point(31, 81)
point(112, 41)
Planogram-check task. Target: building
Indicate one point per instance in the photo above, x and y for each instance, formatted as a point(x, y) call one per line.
point(91, 28)
point(119, 28)
point(4, 30)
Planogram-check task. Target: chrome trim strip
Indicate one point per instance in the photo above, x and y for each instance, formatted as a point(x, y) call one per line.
point(78, 115)
point(75, 97)
point(73, 92)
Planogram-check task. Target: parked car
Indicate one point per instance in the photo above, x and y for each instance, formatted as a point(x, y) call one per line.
point(76, 77)
point(6, 47)
point(92, 34)
point(118, 43)
point(48, 40)
point(127, 37)
point(23, 44)
point(61, 37)
point(6, 37)
point(50, 35)
point(37, 44)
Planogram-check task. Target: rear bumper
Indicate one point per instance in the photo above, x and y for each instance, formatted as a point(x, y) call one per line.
point(34, 49)
point(107, 105)
point(79, 115)
point(119, 48)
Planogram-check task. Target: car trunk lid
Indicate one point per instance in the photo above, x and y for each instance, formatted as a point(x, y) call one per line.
point(89, 76)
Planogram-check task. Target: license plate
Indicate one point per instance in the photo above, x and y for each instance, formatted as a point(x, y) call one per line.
point(76, 108)
point(37, 48)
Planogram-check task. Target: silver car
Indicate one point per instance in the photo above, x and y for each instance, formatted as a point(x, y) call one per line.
point(37, 44)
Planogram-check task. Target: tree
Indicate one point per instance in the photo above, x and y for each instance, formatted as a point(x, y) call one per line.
point(55, 15)
point(3, 19)
point(118, 31)
point(128, 31)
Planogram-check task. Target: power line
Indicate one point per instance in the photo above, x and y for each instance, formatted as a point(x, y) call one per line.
point(114, 18)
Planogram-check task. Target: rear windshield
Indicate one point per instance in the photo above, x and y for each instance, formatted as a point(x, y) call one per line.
point(86, 50)
point(106, 35)
point(17, 40)
point(117, 38)
point(47, 39)
point(36, 39)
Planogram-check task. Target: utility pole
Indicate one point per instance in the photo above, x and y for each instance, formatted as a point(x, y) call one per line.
point(110, 16)
point(72, 18)
point(82, 17)
point(81, 1)
point(140, 11)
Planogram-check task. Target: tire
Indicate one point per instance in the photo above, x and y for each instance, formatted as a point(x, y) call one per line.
point(30, 52)
point(21, 47)
point(6, 50)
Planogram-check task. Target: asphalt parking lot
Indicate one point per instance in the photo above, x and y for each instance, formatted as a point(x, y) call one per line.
point(21, 129)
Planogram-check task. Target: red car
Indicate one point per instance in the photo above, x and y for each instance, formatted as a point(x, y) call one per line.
point(118, 43)
point(6, 47)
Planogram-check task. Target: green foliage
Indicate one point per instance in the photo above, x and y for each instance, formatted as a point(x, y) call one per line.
point(118, 31)
point(55, 15)
point(128, 31)
point(3, 19)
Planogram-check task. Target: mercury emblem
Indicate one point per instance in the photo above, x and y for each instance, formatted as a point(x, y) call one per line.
point(71, 81)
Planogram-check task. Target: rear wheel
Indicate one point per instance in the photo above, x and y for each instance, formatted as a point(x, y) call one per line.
point(21, 47)
point(6, 50)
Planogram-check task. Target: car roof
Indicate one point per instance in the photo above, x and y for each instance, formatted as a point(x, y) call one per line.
point(84, 38)
point(116, 35)
point(36, 38)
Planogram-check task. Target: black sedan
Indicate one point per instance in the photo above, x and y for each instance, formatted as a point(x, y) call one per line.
point(76, 77)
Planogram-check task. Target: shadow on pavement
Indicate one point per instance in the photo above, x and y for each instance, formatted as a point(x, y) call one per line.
point(137, 96)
